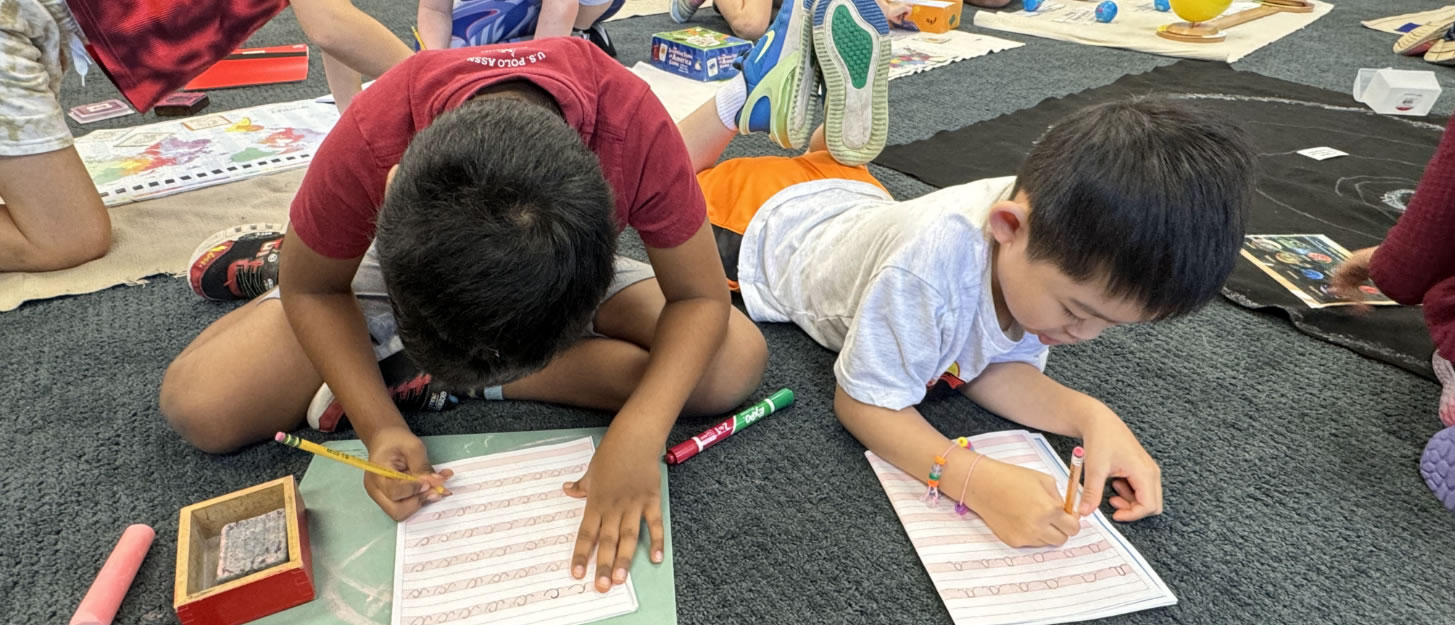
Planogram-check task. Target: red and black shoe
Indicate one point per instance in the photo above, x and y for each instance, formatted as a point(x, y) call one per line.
point(237, 263)
point(410, 390)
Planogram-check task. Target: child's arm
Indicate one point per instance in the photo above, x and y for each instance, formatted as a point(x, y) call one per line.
point(436, 20)
point(556, 18)
point(1022, 393)
point(622, 484)
point(319, 302)
point(1022, 507)
point(1416, 253)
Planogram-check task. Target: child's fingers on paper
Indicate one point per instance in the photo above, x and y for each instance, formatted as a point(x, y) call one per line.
point(585, 540)
point(626, 549)
point(575, 489)
point(653, 516)
point(606, 551)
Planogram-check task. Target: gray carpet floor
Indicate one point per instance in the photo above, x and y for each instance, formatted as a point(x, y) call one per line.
point(1290, 464)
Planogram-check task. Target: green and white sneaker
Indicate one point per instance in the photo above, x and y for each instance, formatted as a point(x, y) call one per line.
point(851, 44)
point(780, 79)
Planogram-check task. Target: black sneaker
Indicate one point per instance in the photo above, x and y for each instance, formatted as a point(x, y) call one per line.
point(597, 35)
point(237, 263)
point(410, 390)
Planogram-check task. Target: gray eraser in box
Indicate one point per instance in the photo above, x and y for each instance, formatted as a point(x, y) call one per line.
point(251, 545)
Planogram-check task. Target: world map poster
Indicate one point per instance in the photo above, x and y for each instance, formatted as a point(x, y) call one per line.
point(144, 162)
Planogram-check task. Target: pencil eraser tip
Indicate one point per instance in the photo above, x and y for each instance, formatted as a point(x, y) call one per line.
point(280, 436)
point(1078, 452)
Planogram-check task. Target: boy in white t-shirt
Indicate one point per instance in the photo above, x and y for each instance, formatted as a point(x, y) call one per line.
point(1125, 212)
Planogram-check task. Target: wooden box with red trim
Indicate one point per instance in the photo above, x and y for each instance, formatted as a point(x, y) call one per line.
point(200, 599)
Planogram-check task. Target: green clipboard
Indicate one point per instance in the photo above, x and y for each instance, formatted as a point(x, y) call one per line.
point(352, 540)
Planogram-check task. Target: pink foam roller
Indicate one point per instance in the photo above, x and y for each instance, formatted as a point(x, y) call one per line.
point(104, 598)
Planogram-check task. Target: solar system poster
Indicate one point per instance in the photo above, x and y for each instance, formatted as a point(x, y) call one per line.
point(1304, 264)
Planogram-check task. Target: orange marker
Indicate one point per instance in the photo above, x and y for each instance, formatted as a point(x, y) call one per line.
point(1076, 460)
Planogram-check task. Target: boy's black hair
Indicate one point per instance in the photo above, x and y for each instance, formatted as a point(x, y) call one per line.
point(496, 239)
point(1148, 195)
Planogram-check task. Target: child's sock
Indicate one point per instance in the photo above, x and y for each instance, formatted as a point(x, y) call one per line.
point(493, 392)
point(730, 99)
point(1446, 373)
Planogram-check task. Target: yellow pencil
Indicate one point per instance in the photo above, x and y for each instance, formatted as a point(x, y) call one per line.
point(418, 39)
point(1074, 479)
point(320, 450)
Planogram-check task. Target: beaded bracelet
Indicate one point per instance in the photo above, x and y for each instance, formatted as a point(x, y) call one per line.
point(932, 495)
point(960, 507)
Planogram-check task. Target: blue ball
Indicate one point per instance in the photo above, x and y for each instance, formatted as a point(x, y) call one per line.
point(1032, 5)
point(1106, 11)
point(1162, 5)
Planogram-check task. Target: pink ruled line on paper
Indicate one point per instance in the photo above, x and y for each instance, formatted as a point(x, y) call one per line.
point(495, 606)
point(1089, 577)
point(482, 580)
point(482, 530)
point(516, 479)
point(1020, 560)
point(554, 493)
point(495, 552)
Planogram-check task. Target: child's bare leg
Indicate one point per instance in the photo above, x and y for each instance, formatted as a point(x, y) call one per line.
point(52, 218)
point(747, 18)
point(352, 38)
point(602, 373)
point(589, 13)
point(705, 135)
point(343, 82)
point(817, 143)
point(244, 378)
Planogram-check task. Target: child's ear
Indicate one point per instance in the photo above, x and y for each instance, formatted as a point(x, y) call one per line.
point(389, 177)
point(1007, 221)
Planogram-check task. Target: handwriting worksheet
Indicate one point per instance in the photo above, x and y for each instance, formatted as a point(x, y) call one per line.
point(499, 549)
point(981, 580)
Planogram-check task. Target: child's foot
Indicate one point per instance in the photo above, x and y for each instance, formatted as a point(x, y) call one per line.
point(1446, 374)
point(682, 10)
point(851, 43)
point(597, 34)
point(779, 78)
point(409, 389)
point(237, 263)
point(1437, 466)
point(1416, 42)
point(1442, 51)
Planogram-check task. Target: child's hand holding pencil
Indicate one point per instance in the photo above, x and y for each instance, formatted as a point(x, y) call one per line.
point(388, 473)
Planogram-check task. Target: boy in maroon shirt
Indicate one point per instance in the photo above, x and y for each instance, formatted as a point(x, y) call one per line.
point(492, 183)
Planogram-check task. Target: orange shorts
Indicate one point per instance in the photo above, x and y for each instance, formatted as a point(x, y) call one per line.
point(737, 188)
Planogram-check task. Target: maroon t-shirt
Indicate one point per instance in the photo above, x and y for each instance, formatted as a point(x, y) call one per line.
point(619, 119)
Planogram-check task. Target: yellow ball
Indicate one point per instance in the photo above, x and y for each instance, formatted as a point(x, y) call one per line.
point(1199, 10)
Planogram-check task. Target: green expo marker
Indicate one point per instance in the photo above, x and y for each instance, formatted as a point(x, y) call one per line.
point(693, 446)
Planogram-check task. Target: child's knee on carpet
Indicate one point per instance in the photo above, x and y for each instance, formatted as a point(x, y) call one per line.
point(204, 420)
point(86, 238)
point(54, 217)
point(734, 373)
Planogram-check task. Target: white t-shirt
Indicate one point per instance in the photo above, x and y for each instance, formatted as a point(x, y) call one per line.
point(900, 289)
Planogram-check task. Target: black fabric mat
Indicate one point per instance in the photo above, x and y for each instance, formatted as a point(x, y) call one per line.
point(1353, 199)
